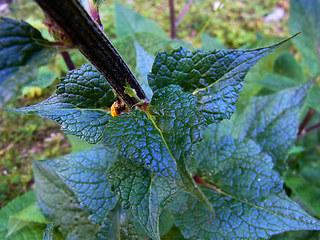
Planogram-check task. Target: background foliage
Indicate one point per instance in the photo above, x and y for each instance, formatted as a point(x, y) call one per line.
point(275, 73)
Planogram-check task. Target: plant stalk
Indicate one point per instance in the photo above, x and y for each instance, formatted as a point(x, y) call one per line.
point(86, 35)
point(67, 59)
point(305, 122)
point(183, 12)
point(172, 20)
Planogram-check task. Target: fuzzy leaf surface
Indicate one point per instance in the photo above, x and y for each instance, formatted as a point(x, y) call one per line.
point(155, 145)
point(215, 77)
point(248, 196)
point(84, 173)
point(305, 18)
point(272, 121)
point(59, 204)
point(78, 104)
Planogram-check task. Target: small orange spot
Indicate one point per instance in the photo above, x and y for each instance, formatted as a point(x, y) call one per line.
point(114, 111)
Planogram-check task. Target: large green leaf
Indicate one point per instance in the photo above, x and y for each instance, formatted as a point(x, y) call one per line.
point(305, 18)
point(215, 77)
point(128, 22)
point(59, 204)
point(79, 104)
point(272, 121)
point(244, 190)
point(84, 173)
point(156, 145)
point(22, 50)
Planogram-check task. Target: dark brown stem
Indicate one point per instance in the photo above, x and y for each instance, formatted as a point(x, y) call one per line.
point(172, 20)
point(183, 12)
point(309, 129)
point(305, 122)
point(67, 59)
point(94, 45)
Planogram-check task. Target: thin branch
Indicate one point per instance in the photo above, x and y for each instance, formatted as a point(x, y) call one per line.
point(86, 35)
point(305, 122)
point(309, 129)
point(172, 20)
point(183, 12)
point(67, 59)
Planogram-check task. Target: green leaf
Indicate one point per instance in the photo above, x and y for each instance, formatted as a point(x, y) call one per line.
point(215, 77)
point(49, 235)
point(84, 173)
point(156, 145)
point(22, 50)
point(245, 192)
point(305, 182)
point(272, 121)
point(288, 66)
point(25, 226)
point(251, 88)
point(78, 104)
point(143, 67)
point(128, 21)
point(210, 43)
point(150, 42)
point(143, 192)
point(313, 98)
point(20, 44)
point(276, 82)
point(117, 225)
point(44, 79)
point(304, 17)
point(25, 217)
point(59, 204)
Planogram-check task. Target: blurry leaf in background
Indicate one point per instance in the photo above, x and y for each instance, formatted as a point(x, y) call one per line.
point(286, 65)
point(22, 219)
point(277, 82)
point(305, 182)
point(22, 50)
point(313, 99)
point(44, 79)
point(210, 43)
point(77, 144)
point(305, 18)
point(144, 65)
point(251, 87)
point(127, 22)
